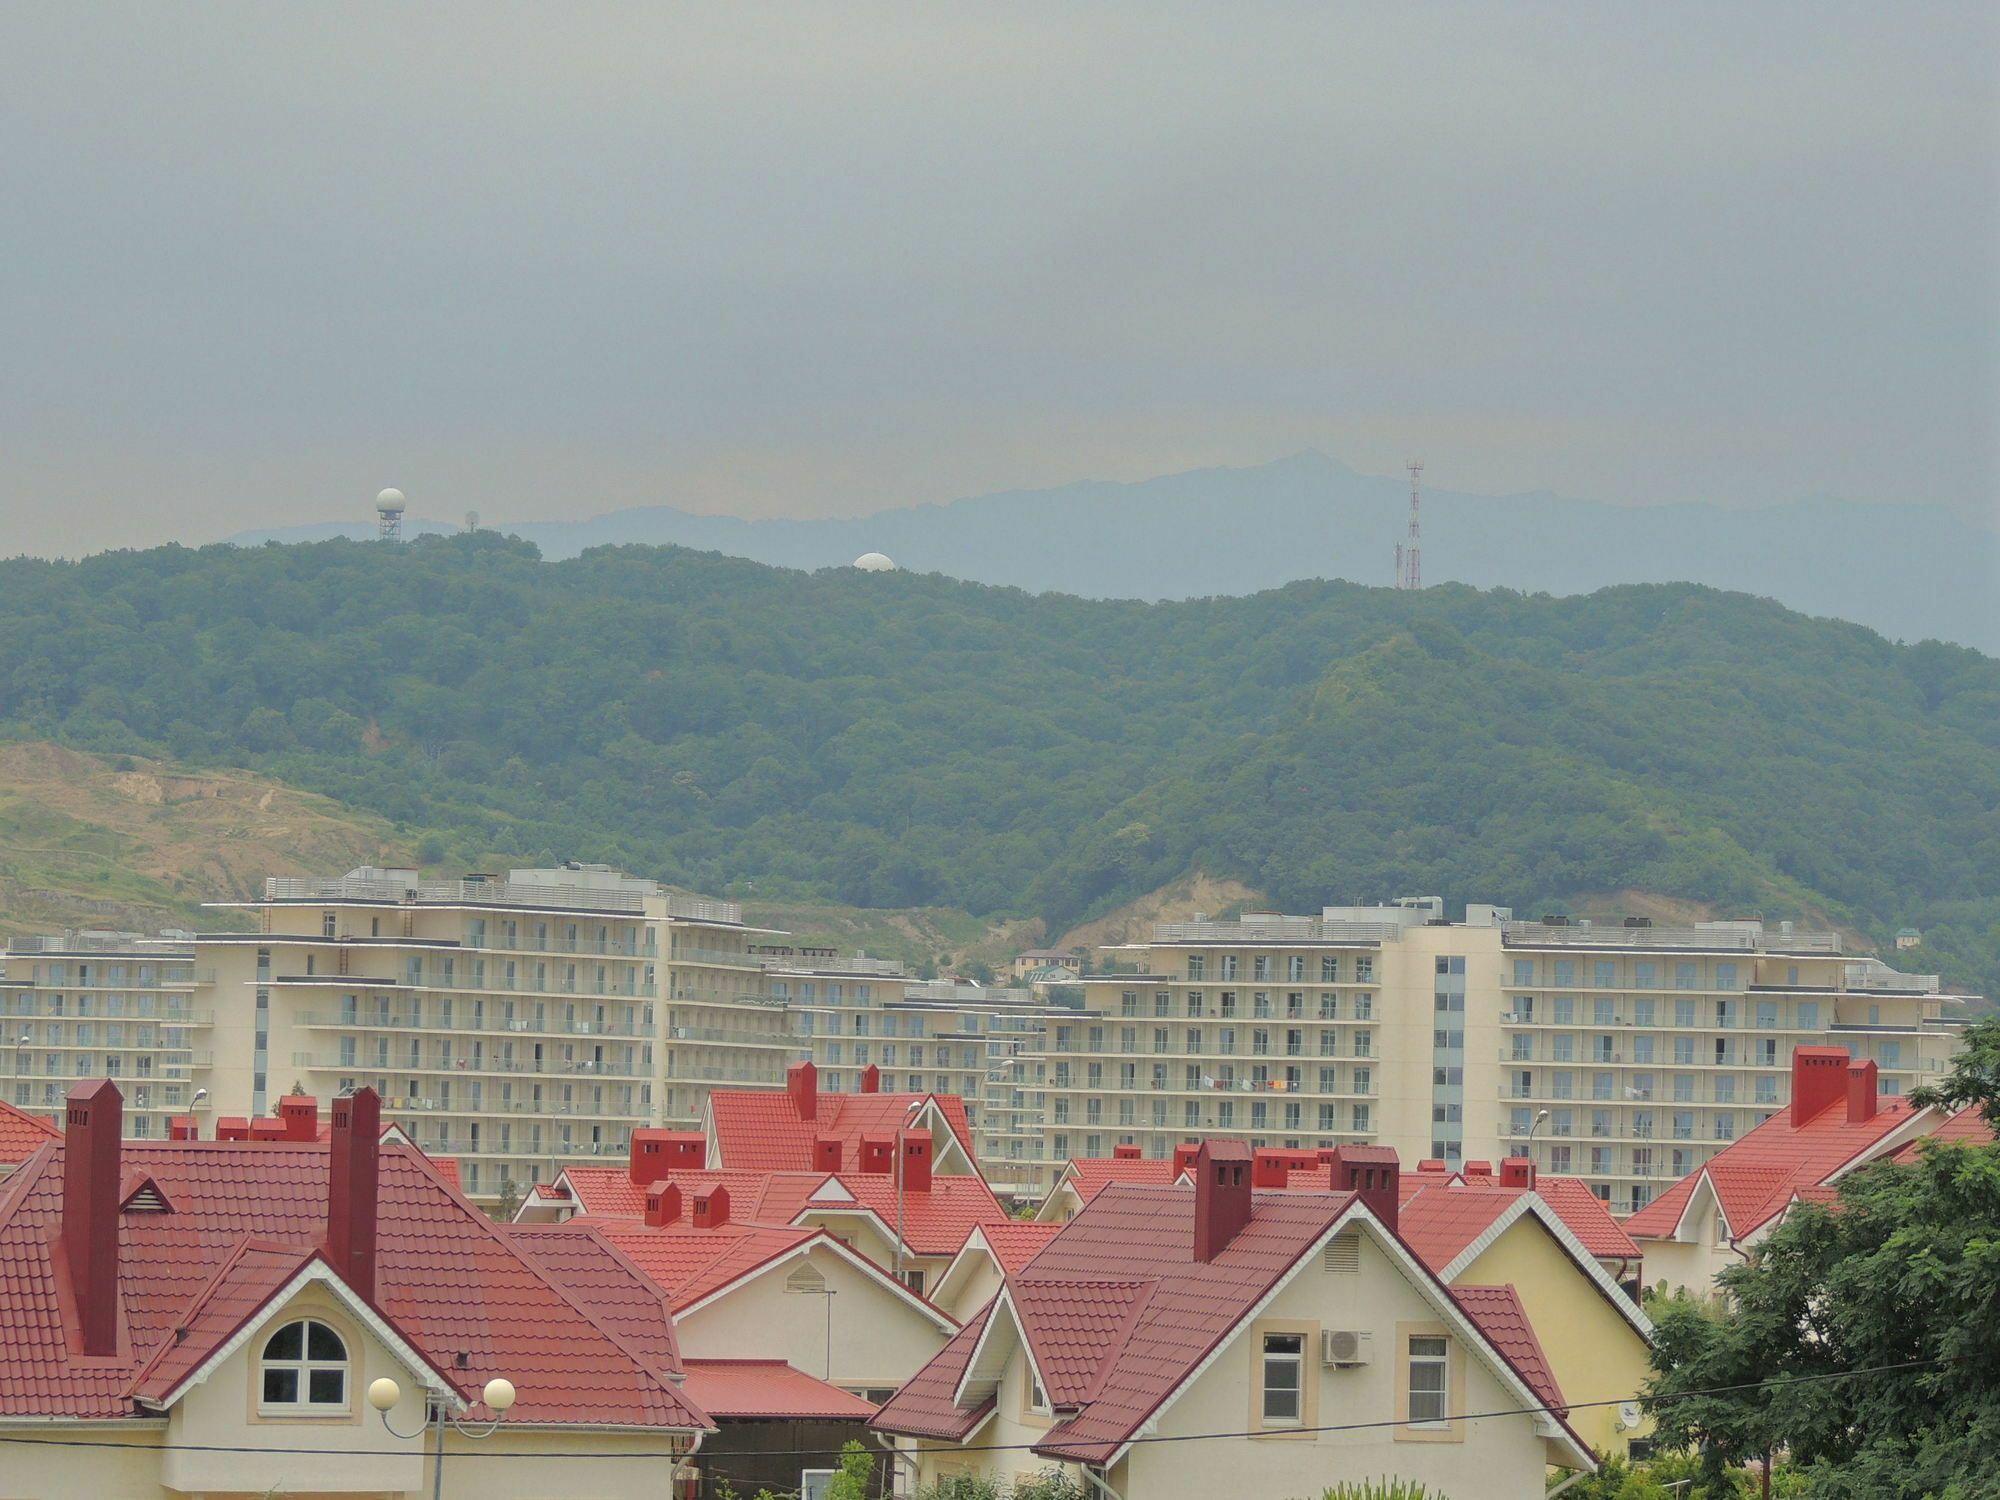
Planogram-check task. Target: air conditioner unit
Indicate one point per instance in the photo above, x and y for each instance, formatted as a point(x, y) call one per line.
point(1344, 1346)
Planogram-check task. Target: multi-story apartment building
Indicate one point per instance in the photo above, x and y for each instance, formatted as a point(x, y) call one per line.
point(102, 1005)
point(513, 1023)
point(1623, 1054)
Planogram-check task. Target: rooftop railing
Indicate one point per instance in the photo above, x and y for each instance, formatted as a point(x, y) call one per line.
point(1732, 938)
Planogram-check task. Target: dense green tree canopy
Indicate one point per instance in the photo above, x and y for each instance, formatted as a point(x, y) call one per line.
point(892, 739)
point(1862, 1339)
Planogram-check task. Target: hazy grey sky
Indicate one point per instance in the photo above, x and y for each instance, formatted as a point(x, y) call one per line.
point(546, 261)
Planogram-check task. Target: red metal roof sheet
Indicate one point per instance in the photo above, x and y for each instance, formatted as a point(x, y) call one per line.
point(760, 1130)
point(447, 1277)
point(924, 1406)
point(1073, 1326)
point(1090, 1175)
point(1968, 1125)
point(769, 1389)
point(1015, 1242)
point(935, 1221)
point(253, 1273)
point(22, 1134)
point(1129, 1237)
point(1755, 1176)
point(1498, 1312)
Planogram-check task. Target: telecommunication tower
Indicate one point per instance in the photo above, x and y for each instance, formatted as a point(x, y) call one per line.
point(389, 516)
point(1409, 555)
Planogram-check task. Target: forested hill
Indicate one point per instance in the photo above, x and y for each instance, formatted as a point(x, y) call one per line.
point(894, 739)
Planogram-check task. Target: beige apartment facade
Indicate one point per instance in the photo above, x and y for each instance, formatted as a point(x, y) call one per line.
point(1622, 1054)
point(515, 1024)
point(91, 1004)
point(981, 1043)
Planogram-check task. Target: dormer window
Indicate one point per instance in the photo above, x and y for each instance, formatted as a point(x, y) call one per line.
point(303, 1371)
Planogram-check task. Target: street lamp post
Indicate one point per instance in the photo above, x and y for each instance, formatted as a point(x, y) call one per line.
point(383, 1394)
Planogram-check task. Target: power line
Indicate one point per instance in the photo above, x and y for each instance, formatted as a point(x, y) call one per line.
point(1904, 1367)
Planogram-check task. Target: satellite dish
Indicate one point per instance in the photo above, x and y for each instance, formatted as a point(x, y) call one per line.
point(1629, 1415)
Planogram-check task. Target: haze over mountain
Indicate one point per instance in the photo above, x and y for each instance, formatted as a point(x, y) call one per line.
point(1909, 571)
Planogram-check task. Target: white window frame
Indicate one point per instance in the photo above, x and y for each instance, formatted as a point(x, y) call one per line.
point(1441, 1363)
point(1270, 1359)
point(303, 1369)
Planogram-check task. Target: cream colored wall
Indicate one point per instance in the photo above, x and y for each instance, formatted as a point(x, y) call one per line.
point(879, 1339)
point(1595, 1352)
point(871, 1242)
point(1497, 1459)
point(35, 1472)
point(976, 1285)
point(221, 1413)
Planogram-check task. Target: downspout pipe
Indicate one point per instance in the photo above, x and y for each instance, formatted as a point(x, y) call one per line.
point(1099, 1483)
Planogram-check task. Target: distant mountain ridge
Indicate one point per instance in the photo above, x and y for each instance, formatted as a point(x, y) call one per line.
point(1910, 572)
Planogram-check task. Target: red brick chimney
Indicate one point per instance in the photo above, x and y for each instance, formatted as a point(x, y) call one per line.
point(1221, 1196)
point(1373, 1174)
point(262, 1129)
point(351, 1189)
point(655, 1153)
point(1184, 1157)
point(183, 1128)
point(663, 1204)
point(878, 1155)
point(914, 1152)
point(232, 1128)
point(1478, 1171)
point(1517, 1172)
point(711, 1207)
point(1819, 1078)
point(1861, 1091)
point(826, 1153)
point(871, 1079)
point(802, 1083)
point(1268, 1169)
point(1125, 1151)
point(300, 1112)
point(93, 1122)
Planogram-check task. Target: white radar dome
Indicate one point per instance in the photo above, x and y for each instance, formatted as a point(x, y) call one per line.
point(389, 502)
point(874, 562)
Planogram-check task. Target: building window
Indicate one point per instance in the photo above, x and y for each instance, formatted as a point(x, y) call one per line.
point(1428, 1380)
point(1284, 1379)
point(304, 1369)
point(1038, 1399)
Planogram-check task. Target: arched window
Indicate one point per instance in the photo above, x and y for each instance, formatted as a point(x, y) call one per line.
point(304, 1369)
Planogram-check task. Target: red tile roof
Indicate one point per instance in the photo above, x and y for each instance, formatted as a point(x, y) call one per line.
point(617, 1291)
point(1438, 1221)
point(760, 1130)
point(1500, 1316)
point(691, 1264)
point(253, 1273)
point(1755, 1176)
point(1017, 1241)
point(935, 1221)
point(925, 1406)
point(762, 1197)
point(1581, 1210)
point(447, 1278)
point(1073, 1327)
point(21, 1134)
point(1967, 1125)
point(769, 1388)
point(1127, 1260)
point(1090, 1175)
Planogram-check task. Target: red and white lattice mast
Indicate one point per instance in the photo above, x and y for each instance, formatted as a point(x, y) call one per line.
point(1409, 554)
